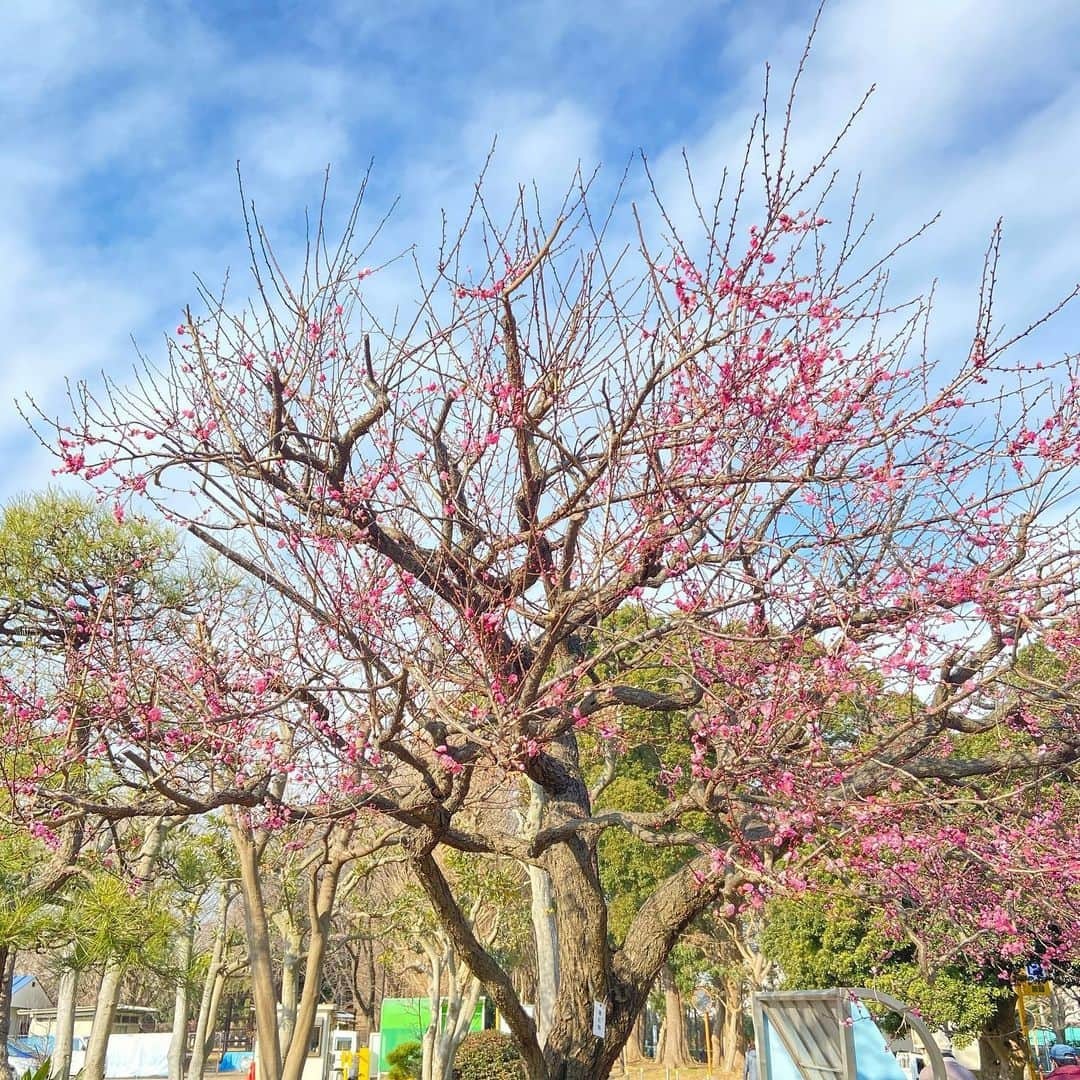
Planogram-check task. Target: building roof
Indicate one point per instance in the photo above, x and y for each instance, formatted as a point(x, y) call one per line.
point(89, 1010)
point(27, 992)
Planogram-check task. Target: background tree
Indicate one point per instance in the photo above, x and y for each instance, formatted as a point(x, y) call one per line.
point(67, 569)
point(200, 883)
point(221, 964)
point(491, 891)
point(825, 941)
point(29, 915)
point(134, 927)
point(832, 939)
point(283, 1043)
point(354, 967)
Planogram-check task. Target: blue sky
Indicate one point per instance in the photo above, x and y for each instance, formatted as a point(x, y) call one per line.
point(123, 122)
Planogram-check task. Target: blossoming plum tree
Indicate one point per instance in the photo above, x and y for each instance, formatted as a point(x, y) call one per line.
point(440, 509)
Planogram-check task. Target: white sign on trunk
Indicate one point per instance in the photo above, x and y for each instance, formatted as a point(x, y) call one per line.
point(599, 1019)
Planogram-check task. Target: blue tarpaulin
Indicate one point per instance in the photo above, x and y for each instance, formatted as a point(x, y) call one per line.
point(26, 1052)
point(39, 1046)
point(236, 1061)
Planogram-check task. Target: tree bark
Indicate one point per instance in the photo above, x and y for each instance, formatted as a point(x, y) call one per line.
point(545, 937)
point(545, 934)
point(65, 1021)
point(108, 997)
point(7, 977)
point(211, 992)
point(322, 892)
point(572, 1051)
point(716, 1051)
point(635, 1045)
point(1001, 1046)
point(178, 1042)
point(427, 1041)
point(732, 1041)
point(673, 1050)
point(260, 959)
point(290, 978)
point(365, 1005)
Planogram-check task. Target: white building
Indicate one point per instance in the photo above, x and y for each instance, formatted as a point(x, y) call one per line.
point(26, 994)
point(130, 1019)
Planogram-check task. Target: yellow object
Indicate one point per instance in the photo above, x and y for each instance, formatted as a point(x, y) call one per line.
point(1026, 992)
point(708, 1045)
point(355, 1063)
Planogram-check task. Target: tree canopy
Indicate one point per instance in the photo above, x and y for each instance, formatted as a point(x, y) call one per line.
point(440, 509)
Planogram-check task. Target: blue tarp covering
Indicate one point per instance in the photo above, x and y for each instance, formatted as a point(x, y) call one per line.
point(235, 1061)
point(40, 1046)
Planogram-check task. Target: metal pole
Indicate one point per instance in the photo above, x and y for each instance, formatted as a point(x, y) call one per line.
point(1025, 1031)
point(708, 1047)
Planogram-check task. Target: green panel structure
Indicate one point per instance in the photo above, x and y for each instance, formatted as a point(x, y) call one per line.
point(406, 1019)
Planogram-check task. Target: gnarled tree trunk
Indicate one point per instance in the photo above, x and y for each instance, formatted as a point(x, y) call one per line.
point(1001, 1045)
point(588, 969)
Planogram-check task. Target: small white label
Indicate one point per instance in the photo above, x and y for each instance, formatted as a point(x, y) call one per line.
point(599, 1019)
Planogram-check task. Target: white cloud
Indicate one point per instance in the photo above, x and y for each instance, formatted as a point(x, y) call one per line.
point(536, 140)
point(117, 161)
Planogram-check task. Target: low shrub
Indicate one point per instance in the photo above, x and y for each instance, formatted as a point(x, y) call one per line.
point(488, 1055)
point(405, 1061)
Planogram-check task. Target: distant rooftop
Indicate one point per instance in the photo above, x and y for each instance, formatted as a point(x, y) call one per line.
point(89, 1010)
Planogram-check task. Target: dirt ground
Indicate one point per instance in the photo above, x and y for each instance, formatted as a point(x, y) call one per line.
point(653, 1072)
